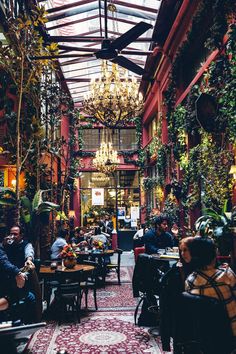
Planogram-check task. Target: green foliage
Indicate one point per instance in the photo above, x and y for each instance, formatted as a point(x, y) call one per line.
point(150, 183)
point(162, 163)
point(206, 175)
point(218, 226)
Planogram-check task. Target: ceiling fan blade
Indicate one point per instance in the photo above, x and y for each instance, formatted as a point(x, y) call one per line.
point(128, 64)
point(130, 36)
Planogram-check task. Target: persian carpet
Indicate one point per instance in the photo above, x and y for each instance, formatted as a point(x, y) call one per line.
point(98, 333)
point(113, 297)
point(110, 330)
point(126, 274)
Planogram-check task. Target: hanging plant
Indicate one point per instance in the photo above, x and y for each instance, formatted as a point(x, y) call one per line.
point(150, 183)
point(162, 163)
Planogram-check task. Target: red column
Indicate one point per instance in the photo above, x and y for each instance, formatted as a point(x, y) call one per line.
point(114, 240)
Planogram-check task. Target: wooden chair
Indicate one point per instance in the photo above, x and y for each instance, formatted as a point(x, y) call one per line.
point(116, 266)
point(68, 293)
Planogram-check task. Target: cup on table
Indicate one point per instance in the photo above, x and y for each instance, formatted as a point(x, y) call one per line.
point(161, 251)
point(176, 249)
point(53, 265)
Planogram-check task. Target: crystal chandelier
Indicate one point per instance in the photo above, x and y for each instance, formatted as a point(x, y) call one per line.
point(113, 99)
point(106, 159)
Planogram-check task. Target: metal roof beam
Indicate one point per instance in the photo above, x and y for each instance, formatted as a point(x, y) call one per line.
point(69, 6)
point(79, 38)
point(73, 12)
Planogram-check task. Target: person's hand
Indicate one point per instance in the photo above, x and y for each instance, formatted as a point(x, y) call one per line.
point(29, 264)
point(175, 230)
point(20, 280)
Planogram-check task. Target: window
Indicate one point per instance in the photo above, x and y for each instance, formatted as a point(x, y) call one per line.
point(128, 139)
point(122, 139)
point(91, 139)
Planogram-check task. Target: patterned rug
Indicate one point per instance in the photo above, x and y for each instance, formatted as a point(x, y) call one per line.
point(110, 330)
point(126, 274)
point(98, 333)
point(113, 297)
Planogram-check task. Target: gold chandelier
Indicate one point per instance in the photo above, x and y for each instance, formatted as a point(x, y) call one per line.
point(106, 159)
point(113, 99)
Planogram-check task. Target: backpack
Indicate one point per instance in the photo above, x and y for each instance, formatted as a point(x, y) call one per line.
point(149, 311)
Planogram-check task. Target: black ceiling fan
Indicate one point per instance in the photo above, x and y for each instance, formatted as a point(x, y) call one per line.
point(110, 50)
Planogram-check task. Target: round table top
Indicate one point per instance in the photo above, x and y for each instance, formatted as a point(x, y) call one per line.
point(84, 267)
point(97, 254)
point(165, 257)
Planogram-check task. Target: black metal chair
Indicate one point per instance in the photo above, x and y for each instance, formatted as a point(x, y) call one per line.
point(48, 285)
point(91, 283)
point(116, 265)
point(68, 293)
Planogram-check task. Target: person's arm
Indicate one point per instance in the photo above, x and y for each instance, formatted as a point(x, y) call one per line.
point(10, 269)
point(6, 266)
point(29, 255)
point(29, 252)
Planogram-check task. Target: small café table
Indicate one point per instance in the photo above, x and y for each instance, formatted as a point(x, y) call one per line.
point(164, 261)
point(48, 271)
point(97, 256)
point(48, 275)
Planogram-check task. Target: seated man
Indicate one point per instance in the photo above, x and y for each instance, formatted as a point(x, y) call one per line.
point(158, 237)
point(78, 236)
point(20, 252)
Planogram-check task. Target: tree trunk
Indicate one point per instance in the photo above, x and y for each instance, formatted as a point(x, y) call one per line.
point(18, 157)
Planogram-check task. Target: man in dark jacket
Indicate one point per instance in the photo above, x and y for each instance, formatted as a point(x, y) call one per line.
point(158, 237)
point(107, 225)
point(20, 252)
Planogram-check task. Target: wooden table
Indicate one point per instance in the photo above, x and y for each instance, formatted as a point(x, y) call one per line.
point(48, 276)
point(46, 270)
point(98, 257)
point(95, 254)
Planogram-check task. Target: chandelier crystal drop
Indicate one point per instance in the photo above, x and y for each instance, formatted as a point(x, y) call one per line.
point(113, 99)
point(106, 158)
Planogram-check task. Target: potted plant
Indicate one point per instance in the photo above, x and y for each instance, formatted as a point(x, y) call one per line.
point(218, 226)
point(69, 256)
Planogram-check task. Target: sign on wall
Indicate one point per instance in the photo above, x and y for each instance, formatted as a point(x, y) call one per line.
point(97, 196)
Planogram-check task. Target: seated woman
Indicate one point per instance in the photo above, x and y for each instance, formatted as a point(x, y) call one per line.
point(207, 280)
point(172, 286)
point(58, 244)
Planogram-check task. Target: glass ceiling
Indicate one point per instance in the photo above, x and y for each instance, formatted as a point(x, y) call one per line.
point(86, 19)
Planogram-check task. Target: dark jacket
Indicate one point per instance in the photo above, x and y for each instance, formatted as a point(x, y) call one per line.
point(107, 228)
point(8, 271)
point(16, 253)
point(153, 242)
point(146, 276)
point(6, 267)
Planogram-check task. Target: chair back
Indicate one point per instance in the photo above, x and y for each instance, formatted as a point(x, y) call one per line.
point(64, 277)
point(203, 320)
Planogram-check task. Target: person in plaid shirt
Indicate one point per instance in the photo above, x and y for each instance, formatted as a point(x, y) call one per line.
point(209, 280)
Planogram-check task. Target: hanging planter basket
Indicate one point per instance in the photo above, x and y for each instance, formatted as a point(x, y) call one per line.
point(206, 112)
